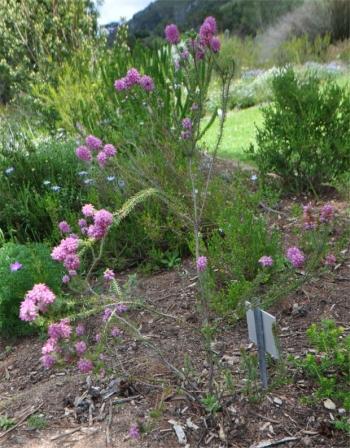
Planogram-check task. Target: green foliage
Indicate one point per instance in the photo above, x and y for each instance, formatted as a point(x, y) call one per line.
point(305, 137)
point(235, 249)
point(299, 49)
point(211, 404)
point(6, 422)
point(329, 366)
point(38, 35)
point(37, 267)
point(37, 421)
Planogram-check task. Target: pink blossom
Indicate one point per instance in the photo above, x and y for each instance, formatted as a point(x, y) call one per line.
point(309, 219)
point(102, 159)
point(108, 275)
point(71, 262)
point(296, 257)
point(97, 337)
point(109, 150)
point(84, 153)
point(28, 310)
point(65, 279)
point(82, 223)
point(48, 361)
point(215, 44)
point(202, 263)
point(207, 30)
point(16, 266)
point(49, 346)
point(64, 227)
point(96, 232)
point(120, 85)
point(103, 218)
point(88, 210)
point(116, 332)
point(85, 365)
point(184, 55)
point(327, 213)
point(80, 347)
point(132, 77)
point(200, 54)
point(330, 260)
point(41, 296)
point(146, 82)
point(172, 34)
point(121, 308)
point(187, 123)
point(60, 330)
point(266, 261)
point(72, 273)
point(80, 330)
point(107, 313)
point(93, 142)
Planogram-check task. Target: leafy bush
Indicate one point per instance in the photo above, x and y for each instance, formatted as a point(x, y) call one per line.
point(329, 366)
point(37, 267)
point(235, 249)
point(305, 137)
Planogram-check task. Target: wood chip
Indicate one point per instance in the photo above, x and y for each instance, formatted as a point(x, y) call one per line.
point(268, 443)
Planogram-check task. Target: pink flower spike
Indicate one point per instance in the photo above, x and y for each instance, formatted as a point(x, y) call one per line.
point(83, 153)
point(85, 365)
point(102, 159)
point(116, 332)
point(64, 227)
point(108, 275)
point(16, 266)
point(132, 77)
point(215, 44)
point(48, 361)
point(327, 213)
point(80, 330)
point(296, 257)
point(202, 263)
point(120, 85)
point(266, 261)
point(146, 82)
point(65, 279)
point(330, 260)
point(88, 210)
point(28, 310)
point(187, 123)
point(80, 347)
point(109, 150)
point(134, 432)
point(172, 34)
point(93, 142)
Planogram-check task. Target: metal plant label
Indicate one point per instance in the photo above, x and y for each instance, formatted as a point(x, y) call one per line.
point(261, 331)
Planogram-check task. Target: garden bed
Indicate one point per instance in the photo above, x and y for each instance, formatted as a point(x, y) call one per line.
point(145, 391)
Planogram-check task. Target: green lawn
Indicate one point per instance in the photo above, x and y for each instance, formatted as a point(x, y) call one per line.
point(239, 132)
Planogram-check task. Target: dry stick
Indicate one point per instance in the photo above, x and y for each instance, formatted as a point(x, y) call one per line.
point(67, 433)
point(22, 420)
point(109, 422)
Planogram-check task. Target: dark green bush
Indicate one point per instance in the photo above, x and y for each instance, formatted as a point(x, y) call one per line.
point(37, 267)
point(305, 137)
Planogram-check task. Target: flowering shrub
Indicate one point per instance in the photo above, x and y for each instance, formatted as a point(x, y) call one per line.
point(22, 267)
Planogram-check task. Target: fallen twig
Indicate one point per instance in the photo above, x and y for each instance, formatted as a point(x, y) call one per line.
point(268, 443)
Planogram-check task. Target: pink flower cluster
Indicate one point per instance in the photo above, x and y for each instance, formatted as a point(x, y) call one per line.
point(187, 128)
point(310, 221)
point(51, 348)
point(133, 78)
point(104, 153)
point(266, 261)
point(102, 220)
point(202, 262)
point(205, 40)
point(37, 299)
point(330, 260)
point(66, 252)
point(296, 257)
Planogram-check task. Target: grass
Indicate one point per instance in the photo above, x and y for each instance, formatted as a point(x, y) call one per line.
point(239, 132)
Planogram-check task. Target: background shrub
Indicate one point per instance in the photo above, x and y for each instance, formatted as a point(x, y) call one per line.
point(305, 137)
point(37, 267)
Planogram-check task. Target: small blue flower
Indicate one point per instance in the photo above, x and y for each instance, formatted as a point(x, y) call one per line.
point(88, 181)
point(110, 178)
point(254, 177)
point(46, 182)
point(82, 173)
point(9, 170)
point(121, 183)
point(55, 188)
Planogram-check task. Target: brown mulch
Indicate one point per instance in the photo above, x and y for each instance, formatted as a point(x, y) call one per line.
point(279, 414)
